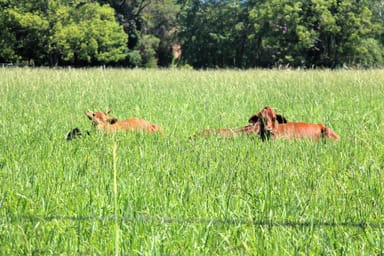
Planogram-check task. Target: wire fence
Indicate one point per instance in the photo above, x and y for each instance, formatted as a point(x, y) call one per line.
point(170, 220)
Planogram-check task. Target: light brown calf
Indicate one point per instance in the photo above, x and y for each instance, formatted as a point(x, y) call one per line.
point(230, 133)
point(270, 127)
point(103, 122)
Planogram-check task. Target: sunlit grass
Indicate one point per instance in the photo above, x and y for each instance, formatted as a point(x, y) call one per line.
point(210, 195)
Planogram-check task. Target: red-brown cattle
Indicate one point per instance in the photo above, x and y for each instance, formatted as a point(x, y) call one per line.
point(270, 126)
point(103, 122)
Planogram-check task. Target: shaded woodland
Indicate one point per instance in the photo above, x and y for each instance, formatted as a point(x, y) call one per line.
point(194, 33)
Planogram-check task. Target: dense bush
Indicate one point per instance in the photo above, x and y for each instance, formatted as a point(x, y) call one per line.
point(212, 34)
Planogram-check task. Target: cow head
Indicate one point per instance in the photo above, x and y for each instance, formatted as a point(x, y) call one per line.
point(268, 121)
point(254, 119)
point(100, 118)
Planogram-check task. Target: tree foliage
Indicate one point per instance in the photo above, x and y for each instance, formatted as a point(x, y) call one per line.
point(24, 34)
point(87, 34)
point(280, 32)
point(148, 25)
point(212, 33)
point(50, 32)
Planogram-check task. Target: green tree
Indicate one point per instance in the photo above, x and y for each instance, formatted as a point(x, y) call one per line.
point(280, 32)
point(148, 46)
point(354, 21)
point(150, 27)
point(316, 32)
point(86, 34)
point(253, 33)
point(159, 21)
point(23, 33)
point(58, 31)
point(8, 40)
point(212, 33)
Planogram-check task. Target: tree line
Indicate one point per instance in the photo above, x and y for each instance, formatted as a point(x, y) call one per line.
point(210, 33)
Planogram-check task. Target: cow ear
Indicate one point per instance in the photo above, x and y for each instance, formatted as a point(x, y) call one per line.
point(112, 120)
point(254, 119)
point(89, 114)
point(281, 119)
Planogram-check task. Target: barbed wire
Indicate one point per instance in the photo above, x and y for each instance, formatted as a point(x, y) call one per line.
point(170, 220)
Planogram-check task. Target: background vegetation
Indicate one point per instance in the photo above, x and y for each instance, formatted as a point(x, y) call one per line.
point(212, 33)
point(175, 196)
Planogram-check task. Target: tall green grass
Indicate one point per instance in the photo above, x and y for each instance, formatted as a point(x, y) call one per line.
point(170, 195)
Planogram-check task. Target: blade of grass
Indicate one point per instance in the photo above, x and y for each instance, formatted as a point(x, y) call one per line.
point(117, 228)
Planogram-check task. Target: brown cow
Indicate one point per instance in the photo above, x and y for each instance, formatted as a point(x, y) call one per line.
point(230, 133)
point(103, 122)
point(291, 130)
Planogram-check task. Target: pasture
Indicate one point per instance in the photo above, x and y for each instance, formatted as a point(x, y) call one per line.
point(137, 194)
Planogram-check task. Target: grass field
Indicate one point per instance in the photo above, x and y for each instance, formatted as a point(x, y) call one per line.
point(167, 195)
